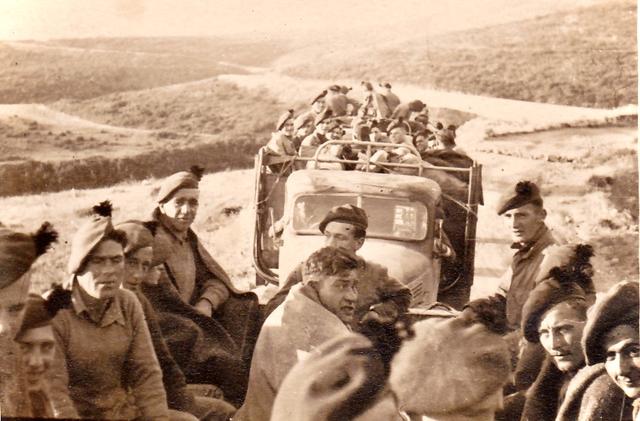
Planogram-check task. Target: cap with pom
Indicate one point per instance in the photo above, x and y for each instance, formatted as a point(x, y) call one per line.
point(524, 193)
point(90, 234)
point(283, 119)
point(18, 251)
point(450, 366)
point(385, 85)
point(180, 180)
point(565, 283)
point(39, 311)
point(346, 213)
point(320, 96)
point(618, 306)
point(139, 234)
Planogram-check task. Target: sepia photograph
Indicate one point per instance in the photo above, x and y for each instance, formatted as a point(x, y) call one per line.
point(276, 210)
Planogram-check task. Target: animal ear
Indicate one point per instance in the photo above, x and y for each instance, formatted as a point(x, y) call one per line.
point(104, 208)
point(198, 171)
point(44, 237)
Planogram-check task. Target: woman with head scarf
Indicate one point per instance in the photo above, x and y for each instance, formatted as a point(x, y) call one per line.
point(106, 350)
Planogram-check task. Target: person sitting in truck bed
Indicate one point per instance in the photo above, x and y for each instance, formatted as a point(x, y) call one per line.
point(307, 119)
point(406, 109)
point(374, 104)
point(338, 102)
point(281, 142)
point(346, 226)
point(392, 100)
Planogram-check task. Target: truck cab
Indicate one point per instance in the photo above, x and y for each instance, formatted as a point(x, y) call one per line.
point(407, 213)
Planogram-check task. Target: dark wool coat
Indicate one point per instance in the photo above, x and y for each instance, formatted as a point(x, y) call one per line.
point(543, 397)
point(593, 396)
point(213, 350)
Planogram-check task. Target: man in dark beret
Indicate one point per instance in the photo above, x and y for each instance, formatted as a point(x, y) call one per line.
point(554, 316)
point(308, 118)
point(522, 208)
point(345, 226)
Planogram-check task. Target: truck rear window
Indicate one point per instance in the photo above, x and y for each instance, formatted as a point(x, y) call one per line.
point(388, 217)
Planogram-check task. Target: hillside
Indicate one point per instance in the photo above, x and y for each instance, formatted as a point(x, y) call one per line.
point(81, 69)
point(586, 57)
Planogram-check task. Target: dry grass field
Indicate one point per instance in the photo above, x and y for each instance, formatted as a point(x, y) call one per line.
point(563, 58)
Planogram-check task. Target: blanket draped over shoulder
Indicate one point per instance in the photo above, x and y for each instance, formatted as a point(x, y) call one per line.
point(213, 350)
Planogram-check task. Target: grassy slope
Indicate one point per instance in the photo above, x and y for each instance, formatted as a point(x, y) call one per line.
point(212, 123)
point(48, 72)
point(587, 58)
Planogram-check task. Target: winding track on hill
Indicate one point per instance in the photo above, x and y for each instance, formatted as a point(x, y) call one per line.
point(493, 253)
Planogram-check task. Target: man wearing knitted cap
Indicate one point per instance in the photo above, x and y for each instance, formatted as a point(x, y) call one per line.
point(18, 251)
point(345, 227)
point(611, 346)
point(454, 368)
point(196, 288)
point(106, 347)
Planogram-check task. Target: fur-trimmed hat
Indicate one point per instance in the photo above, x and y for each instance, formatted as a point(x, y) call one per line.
point(349, 214)
point(525, 192)
point(139, 235)
point(320, 96)
point(90, 234)
point(18, 251)
point(180, 180)
point(284, 117)
point(39, 311)
point(451, 365)
point(565, 283)
point(619, 306)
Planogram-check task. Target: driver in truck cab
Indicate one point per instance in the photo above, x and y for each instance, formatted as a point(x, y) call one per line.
point(380, 295)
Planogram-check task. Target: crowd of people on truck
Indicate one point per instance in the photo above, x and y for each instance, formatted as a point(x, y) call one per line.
point(380, 116)
point(149, 326)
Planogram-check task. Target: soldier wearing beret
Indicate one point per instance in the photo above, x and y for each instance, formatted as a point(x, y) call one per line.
point(338, 102)
point(612, 350)
point(18, 251)
point(345, 226)
point(106, 350)
point(281, 142)
point(194, 288)
point(35, 337)
point(554, 316)
point(308, 118)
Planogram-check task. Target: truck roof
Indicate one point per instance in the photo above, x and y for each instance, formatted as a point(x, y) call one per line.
point(328, 181)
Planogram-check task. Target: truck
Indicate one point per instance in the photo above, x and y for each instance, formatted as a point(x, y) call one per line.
point(411, 206)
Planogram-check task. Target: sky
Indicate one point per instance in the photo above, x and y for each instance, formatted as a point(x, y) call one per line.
point(50, 19)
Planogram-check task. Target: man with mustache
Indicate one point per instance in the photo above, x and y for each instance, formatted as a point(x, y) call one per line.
point(322, 307)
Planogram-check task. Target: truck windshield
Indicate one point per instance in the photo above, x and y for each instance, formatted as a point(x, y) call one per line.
point(388, 217)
